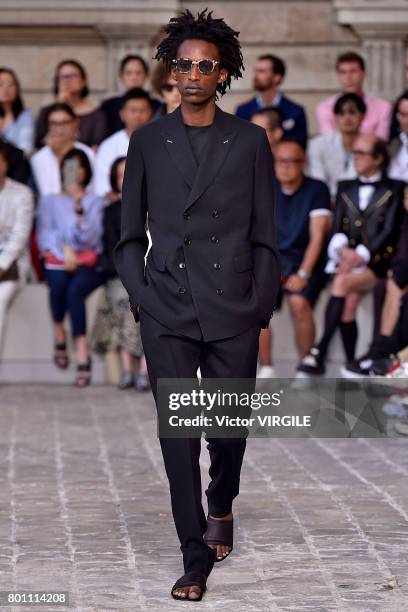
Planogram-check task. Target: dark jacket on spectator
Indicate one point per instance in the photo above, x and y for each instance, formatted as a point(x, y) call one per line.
point(110, 237)
point(294, 116)
point(378, 226)
point(400, 261)
point(19, 168)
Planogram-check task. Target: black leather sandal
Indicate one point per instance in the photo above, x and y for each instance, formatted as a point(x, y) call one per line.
point(83, 380)
point(219, 532)
point(61, 361)
point(188, 580)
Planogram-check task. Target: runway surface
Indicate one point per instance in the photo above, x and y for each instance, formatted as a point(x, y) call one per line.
point(321, 525)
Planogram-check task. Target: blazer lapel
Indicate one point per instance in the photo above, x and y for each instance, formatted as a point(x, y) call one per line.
point(351, 198)
point(379, 197)
point(178, 145)
point(176, 142)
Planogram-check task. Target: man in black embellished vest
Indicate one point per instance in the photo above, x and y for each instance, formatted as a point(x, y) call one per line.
point(367, 221)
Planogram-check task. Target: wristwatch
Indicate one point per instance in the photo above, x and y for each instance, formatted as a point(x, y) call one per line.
point(303, 274)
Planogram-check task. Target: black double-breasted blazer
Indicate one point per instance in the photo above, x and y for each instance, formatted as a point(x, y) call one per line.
point(213, 265)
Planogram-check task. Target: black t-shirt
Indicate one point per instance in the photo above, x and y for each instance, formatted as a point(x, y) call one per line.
point(198, 136)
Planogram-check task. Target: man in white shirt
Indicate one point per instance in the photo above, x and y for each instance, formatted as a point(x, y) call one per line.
point(329, 155)
point(136, 111)
point(62, 126)
point(399, 146)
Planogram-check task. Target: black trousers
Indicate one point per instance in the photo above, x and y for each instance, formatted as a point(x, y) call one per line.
point(172, 355)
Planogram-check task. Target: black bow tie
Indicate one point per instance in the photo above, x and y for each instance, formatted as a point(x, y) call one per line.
point(366, 183)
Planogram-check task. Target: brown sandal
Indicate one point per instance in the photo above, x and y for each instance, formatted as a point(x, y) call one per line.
point(83, 380)
point(220, 532)
point(61, 361)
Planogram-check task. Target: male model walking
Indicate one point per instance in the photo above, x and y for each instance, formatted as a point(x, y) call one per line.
point(205, 180)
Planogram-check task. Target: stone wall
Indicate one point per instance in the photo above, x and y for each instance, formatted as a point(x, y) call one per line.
point(36, 34)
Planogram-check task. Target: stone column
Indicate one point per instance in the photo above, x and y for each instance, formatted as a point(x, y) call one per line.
point(122, 40)
point(382, 26)
point(385, 66)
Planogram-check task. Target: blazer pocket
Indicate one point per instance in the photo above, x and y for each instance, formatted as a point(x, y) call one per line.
point(243, 262)
point(159, 259)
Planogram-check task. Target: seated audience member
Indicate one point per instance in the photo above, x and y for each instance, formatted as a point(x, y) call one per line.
point(351, 73)
point(18, 166)
point(366, 227)
point(270, 118)
point(136, 111)
point(166, 88)
point(62, 125)
point(71, 87)
point(18, 121)
point(126, 332)
point(329, 155)
point(381, 358)
point(399, 146)
point(395, 126)
point(302, 222)
point(269, 73)
point(133, 72)
point(69, 236)
point(16, 216)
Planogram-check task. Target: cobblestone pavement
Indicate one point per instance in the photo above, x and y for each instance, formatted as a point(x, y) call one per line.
point(321, 525)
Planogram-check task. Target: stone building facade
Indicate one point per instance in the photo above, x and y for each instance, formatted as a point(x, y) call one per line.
point(36, 34)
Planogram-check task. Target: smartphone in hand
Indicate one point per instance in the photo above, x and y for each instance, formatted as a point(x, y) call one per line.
point(70, 171)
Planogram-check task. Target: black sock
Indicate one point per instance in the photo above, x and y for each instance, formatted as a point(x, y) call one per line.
point(384, 346)
point(332, 318)
point(349, 333)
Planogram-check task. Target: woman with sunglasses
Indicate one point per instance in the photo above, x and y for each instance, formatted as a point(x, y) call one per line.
point(166, 88)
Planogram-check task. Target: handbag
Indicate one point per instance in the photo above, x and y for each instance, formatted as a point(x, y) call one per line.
point(85, 258)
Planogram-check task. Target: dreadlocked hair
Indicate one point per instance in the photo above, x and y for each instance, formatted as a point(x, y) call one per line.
point(186, 27)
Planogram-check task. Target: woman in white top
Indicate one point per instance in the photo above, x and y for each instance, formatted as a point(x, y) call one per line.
point(16, 216)
point(62, 128)
point(18, 121)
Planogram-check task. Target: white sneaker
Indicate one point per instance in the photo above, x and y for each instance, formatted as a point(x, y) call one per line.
point(266, 371)
point(400, 372)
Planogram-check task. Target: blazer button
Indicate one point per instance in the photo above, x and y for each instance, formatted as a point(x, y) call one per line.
point(217, 266)
point(220, 291)
point(186, 215)
point(182, 265)
point(214, 239)
point(187, 240)
point(182, 290)
point(215, 213)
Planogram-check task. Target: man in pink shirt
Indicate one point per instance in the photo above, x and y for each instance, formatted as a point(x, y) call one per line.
point(351, 72)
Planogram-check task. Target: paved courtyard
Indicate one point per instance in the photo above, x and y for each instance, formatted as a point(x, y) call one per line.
point(321, 525)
